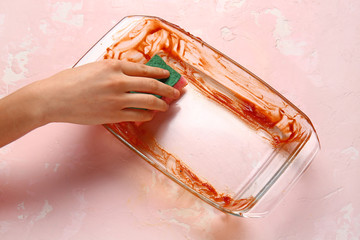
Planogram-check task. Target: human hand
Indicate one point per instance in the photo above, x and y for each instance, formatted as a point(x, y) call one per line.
point(99, 93)
point(95, 93)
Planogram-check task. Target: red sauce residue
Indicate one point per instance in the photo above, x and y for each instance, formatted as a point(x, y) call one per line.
point(152, 36)
point(130, 132)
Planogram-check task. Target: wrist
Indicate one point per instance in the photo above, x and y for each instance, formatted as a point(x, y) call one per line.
point(36, 105)
point(21, 112)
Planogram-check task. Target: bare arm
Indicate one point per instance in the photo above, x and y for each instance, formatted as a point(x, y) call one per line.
point(95, 93)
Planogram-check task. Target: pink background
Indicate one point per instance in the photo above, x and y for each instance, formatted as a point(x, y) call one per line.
point(66, 181)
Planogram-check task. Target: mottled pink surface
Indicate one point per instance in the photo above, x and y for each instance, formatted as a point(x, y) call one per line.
point(66, 181)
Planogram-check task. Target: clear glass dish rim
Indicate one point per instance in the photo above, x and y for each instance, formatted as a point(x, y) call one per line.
point(216, 51)
point(160, 168)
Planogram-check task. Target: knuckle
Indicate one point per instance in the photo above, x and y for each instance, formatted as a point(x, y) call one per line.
point(111, 64)
point(112, 83)
point(144, 71)
point(153, 85)
point(151, 100)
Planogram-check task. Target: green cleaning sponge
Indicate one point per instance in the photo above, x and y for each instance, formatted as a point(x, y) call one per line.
point(175, 80)
point(157, 61)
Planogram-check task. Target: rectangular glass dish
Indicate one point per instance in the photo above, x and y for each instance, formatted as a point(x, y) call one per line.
point(231, 139)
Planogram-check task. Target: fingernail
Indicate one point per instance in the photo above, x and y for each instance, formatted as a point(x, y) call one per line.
point(166, 71)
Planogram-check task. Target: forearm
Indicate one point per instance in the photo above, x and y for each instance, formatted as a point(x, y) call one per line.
point(20, 112)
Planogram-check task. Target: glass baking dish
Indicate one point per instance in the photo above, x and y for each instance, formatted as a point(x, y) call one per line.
point(231, 139)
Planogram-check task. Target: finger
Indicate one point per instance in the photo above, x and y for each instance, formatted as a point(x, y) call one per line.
point(145, 101)
point(150, 85)
point(136, 115)
point(141, 70)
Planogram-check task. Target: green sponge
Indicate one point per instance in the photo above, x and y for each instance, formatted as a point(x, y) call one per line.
point(157, 61)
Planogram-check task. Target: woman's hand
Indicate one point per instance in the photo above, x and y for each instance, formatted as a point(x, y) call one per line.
point(99, 93)
point(94, 93)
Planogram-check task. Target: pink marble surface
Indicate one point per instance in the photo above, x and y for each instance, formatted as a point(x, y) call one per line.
point(66, 181)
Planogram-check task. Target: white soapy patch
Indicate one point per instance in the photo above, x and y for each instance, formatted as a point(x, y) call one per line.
point(343, 231)
point(57, 165)
point(351, 152)
point(173, 190)
point(322, 226)
point(75, 226)
point(46, 209)
point(4, 227)
point(311, 66)
point(182, 212)
point(184, 225)
point(46, 165)
point(63, 13)
point(223, 5)
point(289, 47)
point(21, 206)
point(200, 215)
point(256, 16)
point(227, 34)
point(237, 3)
point(11, 74)
point(347, 210)
point(281, 34)
point(16, 68)
point(282, 28)
point(176, 214)
point(22, 217)
point(44, 26)
point(77, 217)
point(208, 215)
point(220, 6)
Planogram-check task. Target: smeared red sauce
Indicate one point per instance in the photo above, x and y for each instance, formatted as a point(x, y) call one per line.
point(130, 132)
point(152, 36)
